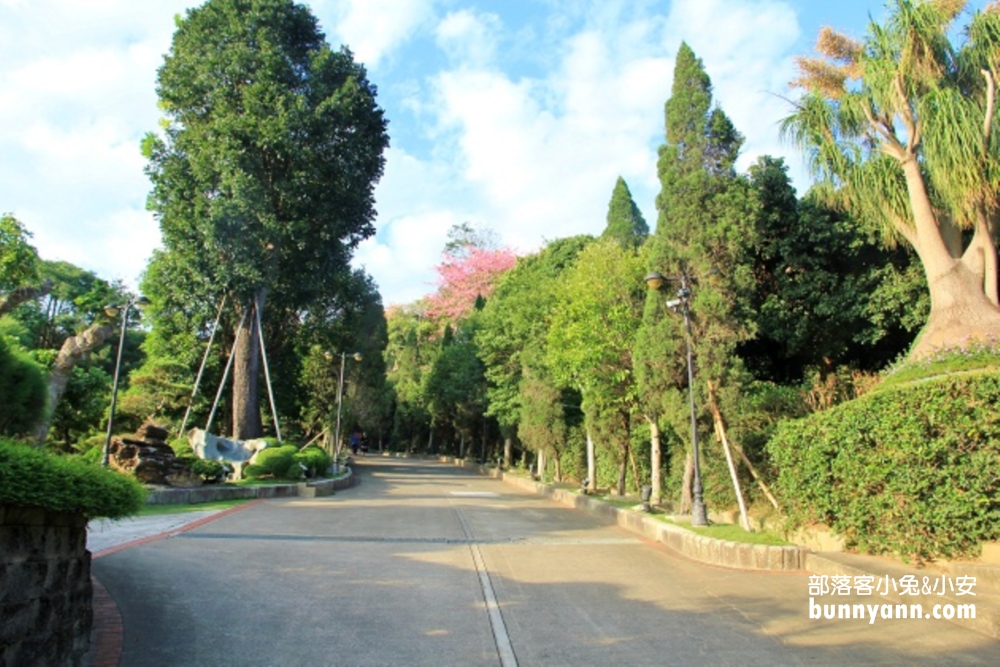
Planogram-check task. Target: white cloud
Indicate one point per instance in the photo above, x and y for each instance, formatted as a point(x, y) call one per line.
point(373, 29)
point(468, 38)
point(78, 82)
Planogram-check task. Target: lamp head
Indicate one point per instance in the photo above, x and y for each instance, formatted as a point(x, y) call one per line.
point(655, 280)
point(142, 302)
point(357, 356)
point(111, 310)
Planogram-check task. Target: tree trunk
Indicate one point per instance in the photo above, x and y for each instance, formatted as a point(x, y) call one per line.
point(246, 372)
point(508, 451)
point(687, 497)
point(73, 349)
point(541, 465)
point(655, 462)
point(622, 472)
point(17, 296)
point(962, 311)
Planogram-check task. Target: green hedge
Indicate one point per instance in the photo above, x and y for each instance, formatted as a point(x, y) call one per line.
point(913, 471)
point(33, 478)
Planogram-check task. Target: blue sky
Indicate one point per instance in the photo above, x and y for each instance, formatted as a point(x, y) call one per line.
point(516, 115)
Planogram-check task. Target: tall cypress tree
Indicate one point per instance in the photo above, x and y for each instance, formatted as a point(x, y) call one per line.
point(704, 229)
point(625, 222)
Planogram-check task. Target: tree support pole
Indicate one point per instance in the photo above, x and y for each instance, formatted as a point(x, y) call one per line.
point(201, 370)
point(267, 372)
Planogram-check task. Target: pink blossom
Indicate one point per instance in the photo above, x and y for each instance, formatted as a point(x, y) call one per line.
point(462, 279)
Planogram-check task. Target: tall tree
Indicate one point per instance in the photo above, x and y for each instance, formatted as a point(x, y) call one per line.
point(625, 222)
point(263, 183)
point(704, 229)
point(901, 128)
point(591, 341)
point(513, 332)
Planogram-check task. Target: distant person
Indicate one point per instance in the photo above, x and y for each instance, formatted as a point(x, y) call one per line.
point(355, 441)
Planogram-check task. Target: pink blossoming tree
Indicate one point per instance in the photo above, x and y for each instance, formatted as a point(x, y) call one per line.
point(465, 276)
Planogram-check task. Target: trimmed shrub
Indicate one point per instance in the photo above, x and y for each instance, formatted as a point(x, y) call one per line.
point(274, 462)
point(316, 460)
point(209, 470)
point(30, 477)
point(913, 471)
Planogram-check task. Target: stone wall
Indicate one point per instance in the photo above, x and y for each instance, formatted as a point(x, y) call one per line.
point(46, 597)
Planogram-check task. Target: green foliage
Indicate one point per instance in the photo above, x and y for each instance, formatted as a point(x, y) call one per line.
point(275, 461)
point(824, 293)
point(182, 448)
point(84, 405)
point(18, 258)
point(316, 460)
point(32, 478)
point(210, 471)
point(912, 470)
point(262, 185)
point(23, 391)
point(516, 321)
point(625, 222)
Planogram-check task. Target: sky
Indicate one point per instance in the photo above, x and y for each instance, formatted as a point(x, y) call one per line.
point(517, 116)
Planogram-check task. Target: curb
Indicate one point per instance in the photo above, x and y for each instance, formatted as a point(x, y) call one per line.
point(194, 496)
point(708, 550)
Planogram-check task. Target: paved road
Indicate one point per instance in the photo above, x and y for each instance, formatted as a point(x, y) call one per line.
point(425, 564)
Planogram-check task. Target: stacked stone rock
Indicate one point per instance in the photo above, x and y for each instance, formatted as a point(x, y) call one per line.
point(148, 457)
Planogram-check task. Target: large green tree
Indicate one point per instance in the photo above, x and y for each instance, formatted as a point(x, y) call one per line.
point(902, 130)
point(263, 180)
point(513, 334)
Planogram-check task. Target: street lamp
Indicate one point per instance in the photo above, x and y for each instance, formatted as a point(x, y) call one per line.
point(656, 281)
point(340, 396)
point(112, 311)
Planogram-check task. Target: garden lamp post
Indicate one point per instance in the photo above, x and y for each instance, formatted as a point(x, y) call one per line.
point(112, 311)
point(340, 396)
point(656, 281)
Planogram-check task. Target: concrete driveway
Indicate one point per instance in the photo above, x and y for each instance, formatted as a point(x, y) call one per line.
point(426, 564)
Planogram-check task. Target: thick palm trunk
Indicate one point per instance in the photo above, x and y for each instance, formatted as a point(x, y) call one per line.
point(962, 284)
point(246, 372)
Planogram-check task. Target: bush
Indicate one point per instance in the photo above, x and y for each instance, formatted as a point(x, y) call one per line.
point(210, 471)
point(32, 478)
point(23, 391)
point(913, 471)
point(315, 459)
point(274, 462)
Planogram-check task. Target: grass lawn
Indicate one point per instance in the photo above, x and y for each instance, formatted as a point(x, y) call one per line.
point(734, 533)
point(152, 510)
